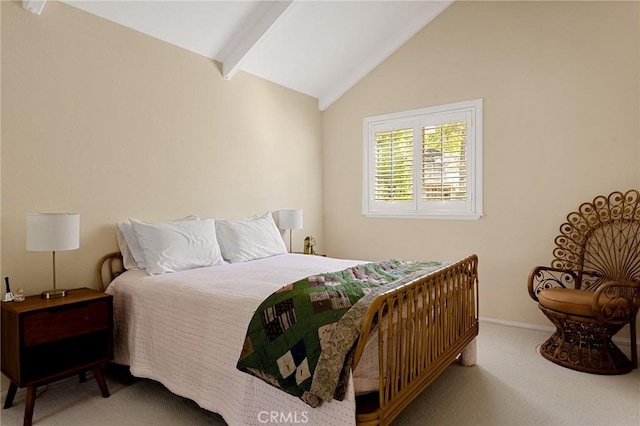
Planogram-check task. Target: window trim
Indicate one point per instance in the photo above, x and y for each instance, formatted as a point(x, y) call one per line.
point(474, 164)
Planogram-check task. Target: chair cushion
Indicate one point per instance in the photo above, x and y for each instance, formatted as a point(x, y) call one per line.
point(568, 300)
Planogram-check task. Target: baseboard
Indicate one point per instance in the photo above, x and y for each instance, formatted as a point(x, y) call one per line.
point(620, 341)
point(516, 324)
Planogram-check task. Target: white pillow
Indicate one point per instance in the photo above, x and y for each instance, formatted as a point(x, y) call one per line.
point(127, 257)
point(132, 255)
point(176, 246)
point(248, 239)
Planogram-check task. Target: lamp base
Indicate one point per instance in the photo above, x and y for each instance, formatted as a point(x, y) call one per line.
point(53, 294)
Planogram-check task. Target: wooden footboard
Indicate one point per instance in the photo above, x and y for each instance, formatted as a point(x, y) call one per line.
point(422, 327)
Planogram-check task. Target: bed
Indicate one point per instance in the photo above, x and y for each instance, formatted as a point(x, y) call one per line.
point(180, 330)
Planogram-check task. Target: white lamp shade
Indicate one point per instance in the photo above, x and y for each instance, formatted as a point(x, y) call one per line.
point(290, 219)
point(53, 231)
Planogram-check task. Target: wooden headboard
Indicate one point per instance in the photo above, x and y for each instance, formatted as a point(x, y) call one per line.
point(109, 267)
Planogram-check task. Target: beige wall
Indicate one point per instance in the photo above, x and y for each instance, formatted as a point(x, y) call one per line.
point(560, 83)
point(110, 123)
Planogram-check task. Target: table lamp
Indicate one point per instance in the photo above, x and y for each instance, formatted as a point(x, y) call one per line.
point(53, 232)
point(290, 219)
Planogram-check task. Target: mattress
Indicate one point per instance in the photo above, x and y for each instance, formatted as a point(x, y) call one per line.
point(186, 330)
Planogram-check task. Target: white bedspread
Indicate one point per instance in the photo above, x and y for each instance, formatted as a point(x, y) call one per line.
point(186, 330)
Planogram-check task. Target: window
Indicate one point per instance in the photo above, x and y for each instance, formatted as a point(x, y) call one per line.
point(424, 163)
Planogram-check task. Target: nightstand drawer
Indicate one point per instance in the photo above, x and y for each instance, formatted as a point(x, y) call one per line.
point(54, 324)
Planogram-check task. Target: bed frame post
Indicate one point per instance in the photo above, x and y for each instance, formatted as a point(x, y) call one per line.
point(469, 355)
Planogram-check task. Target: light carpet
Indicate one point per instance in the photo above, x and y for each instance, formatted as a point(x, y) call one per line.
point(510, 385)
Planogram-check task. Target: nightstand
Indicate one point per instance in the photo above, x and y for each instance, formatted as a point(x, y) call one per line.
point(44, 340)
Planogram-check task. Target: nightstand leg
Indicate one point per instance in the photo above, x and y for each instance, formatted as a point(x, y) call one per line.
point(28, 408)
point(97, 373)
point(11, 393)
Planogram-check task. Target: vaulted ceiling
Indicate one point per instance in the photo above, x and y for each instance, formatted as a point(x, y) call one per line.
point(320, 48)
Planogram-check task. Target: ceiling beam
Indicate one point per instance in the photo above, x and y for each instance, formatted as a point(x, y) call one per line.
point(241, 47)
point(34, 6)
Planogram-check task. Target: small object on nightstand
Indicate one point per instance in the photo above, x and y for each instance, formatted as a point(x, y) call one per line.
point(8, 296)
point(309, 245)
point(19, 295)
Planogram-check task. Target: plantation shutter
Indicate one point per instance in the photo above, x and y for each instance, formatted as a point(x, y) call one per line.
point(444, 162)
point(393, 158)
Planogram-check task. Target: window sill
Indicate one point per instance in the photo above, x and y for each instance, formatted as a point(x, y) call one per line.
point(415, 215)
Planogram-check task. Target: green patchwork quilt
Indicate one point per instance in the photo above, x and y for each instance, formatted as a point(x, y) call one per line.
point(301, 338)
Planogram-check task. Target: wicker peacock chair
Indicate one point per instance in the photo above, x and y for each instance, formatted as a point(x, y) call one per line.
point(592, 288)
